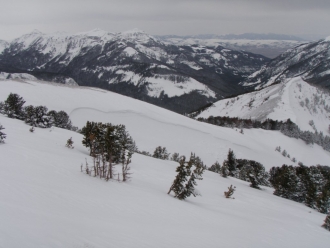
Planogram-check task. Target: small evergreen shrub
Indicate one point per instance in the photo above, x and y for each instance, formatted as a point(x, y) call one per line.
point(161, 153)
point(2, 134)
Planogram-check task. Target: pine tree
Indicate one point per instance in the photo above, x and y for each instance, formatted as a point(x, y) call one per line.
point(2, 134)
point(178, 186)
point(161, 153)
point(175, 157)
point(13, 106)
point(224, 171)
point(2, 105)
point(231, 163)
point(29, 117)
point(195, 175)
point(326, 224)
point(60, 119)
point(216, 167)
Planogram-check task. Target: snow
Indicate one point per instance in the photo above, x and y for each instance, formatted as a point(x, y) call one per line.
point(327, 38)
point(130, 51)
point(277, 102)
point(47, 202)
point(160, 84)
point(147, 124)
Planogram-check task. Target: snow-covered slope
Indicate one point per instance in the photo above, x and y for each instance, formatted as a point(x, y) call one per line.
point(311, 61)
point(133, 63)
point(295, 100)
point(47, 202)
point(152, 126)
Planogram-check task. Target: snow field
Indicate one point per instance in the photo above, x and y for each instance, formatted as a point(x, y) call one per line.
point(151, 126)
point(47, 202)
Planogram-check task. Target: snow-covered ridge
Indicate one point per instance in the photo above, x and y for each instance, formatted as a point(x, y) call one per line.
point(310, 61)
point(295, 100)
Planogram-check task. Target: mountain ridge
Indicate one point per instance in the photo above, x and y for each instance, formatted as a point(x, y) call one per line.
point(133, 63)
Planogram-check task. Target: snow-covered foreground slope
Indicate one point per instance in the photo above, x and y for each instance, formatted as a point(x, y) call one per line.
point(295, 99)
point(47, 202)
point(151, 126)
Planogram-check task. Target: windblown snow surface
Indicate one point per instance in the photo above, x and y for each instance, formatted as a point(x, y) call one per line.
point(295, 99)
point(47, 202)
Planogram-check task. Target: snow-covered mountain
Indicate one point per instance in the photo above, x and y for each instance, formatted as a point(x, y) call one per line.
point(311, 61)
point(46, 200)
point(295, 100)
point(269, 45)
point(133, 63)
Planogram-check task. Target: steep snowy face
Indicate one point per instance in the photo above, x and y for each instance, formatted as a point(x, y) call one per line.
point(311, 61)
point(133, 63)
point(306, 105)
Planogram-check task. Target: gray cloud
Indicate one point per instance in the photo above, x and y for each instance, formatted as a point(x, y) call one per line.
point(166, 16)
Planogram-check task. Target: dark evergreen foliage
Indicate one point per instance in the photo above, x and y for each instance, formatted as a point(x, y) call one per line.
point(224, 171)
point(2, 105)
point(288, 128)
point(308, 185)
point(37, 116)
point(231, 163)
point(175, 157)
point(2, 134)
point(13, 106)
point(253, 172)
point(181, 190)
point(60, 119)
point(109, 145)
point(178, 186)
point(326, 224)
point(161, 153)
point(216, 167)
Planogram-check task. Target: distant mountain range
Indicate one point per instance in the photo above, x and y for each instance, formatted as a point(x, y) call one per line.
point(311, 61)
point(246, 36)
point(177, 77)
point(269, 45)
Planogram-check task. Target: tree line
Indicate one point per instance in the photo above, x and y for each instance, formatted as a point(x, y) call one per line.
point(287, 127)
point(35, 116)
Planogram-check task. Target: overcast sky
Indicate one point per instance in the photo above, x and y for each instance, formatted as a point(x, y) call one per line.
point(180, 17)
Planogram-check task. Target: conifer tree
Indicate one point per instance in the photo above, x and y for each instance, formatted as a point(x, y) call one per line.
point(216, 167)
point(2, 134)
point(29, 117)
point(326, 224)
point(161, 153)
point(231, 163)
point(13, 106)
point(196, 174)
point(60, 119)
point(224, 171)
point(178, 186)
point(2, 108)
point(175, 157)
